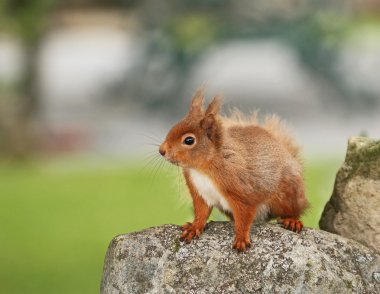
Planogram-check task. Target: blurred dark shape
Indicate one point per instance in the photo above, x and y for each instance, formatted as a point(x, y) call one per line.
point(27, 20)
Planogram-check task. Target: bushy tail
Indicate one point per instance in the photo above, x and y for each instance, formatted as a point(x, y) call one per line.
point(279, 130)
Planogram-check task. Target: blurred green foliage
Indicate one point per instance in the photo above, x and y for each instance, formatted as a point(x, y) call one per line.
point(184, 32)
point(26, 19)
point(59, 217)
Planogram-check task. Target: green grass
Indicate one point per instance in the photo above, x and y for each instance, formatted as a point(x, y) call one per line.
point(319, 178)
point(57, 218)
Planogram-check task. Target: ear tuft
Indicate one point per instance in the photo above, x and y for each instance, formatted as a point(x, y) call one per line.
point(197, 101)
point(214, 106)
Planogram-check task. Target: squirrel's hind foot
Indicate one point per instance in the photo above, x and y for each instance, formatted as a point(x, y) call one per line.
point(291, 224)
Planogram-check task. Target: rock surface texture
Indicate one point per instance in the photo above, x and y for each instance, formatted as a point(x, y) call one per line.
point(354, 208)
point(280, 261)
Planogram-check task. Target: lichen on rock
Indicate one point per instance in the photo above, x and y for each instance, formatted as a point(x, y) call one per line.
point(280, 261)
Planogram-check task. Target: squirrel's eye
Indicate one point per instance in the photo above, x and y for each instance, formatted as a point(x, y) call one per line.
point(189, 141)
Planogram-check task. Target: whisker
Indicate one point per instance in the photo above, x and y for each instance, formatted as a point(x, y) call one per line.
point(153, 138)
point(158, 170)
point(151, 144)
point(150, 154)
point(154, 171)
point(155, 151)
point(178, 182)
point(151, 161)
point(168, 166)
point(156, 137)
point(147, 160)
point(154, 166)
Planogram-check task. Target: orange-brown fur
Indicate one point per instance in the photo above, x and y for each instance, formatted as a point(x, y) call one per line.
point(249, 164)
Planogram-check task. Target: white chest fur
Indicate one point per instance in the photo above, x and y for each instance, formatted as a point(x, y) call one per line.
point(207, 189)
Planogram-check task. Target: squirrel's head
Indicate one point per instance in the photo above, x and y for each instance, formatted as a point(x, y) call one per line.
point(195, 139)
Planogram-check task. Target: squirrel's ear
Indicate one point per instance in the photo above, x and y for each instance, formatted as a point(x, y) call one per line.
point(197, 101)
point(211, 122)
point(214, 106)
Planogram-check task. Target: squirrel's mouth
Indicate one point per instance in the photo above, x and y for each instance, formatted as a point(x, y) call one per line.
point(175, 162)
point(172, 161)
point(170, 157)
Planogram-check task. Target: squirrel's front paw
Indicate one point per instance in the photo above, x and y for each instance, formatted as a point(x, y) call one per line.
point(190, 230)
point(241, 244)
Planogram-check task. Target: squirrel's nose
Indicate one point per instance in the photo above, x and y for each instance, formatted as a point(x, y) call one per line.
point(162, 151)
point(163, 148)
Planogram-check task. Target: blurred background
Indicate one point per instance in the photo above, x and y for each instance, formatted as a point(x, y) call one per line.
point(87, 88)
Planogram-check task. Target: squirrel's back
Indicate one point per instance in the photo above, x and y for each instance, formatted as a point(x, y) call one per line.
point(262, 155)
point(271, 124)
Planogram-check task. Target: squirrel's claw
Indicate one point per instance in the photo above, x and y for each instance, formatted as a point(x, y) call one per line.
point(241, 245)
point(291, 224)
point(187, 236)
point(189, 232)
point(185, 226)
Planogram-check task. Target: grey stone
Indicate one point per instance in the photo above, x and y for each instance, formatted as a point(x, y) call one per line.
point(280, 261)
point(354, 208)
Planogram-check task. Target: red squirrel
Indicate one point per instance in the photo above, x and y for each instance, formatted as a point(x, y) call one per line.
point(250, 172)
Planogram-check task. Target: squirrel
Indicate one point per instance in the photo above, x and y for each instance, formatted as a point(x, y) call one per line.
point(249, 171)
